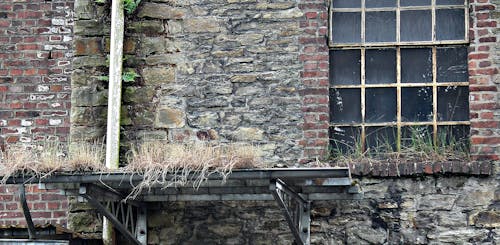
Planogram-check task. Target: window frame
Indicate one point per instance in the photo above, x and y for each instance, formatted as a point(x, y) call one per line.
point(398, 45)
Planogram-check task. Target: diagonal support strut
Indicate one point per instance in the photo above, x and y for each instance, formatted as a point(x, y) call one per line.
point(296, 209)
point(116, 223)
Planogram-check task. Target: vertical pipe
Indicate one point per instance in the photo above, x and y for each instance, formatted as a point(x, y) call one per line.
point(114, 99)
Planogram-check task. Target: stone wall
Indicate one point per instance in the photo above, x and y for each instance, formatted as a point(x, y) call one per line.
point(417, 210)
point(214, 70)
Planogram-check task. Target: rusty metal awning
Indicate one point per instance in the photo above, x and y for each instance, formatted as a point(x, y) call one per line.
point(292, 188)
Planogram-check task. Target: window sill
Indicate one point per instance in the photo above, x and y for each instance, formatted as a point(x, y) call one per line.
point(415, 169)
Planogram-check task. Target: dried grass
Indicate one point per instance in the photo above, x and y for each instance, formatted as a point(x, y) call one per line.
point(84, 156)
point(172, 164)
point(37, 161)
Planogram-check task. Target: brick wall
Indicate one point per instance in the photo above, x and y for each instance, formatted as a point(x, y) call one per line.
point(35, 63)
point(484, 80)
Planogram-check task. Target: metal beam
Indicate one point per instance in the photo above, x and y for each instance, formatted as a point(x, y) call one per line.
point(298, 217)
point(26, 212)
point(112, 219)
point(239, 174)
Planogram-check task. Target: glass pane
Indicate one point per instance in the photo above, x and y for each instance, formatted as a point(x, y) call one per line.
point(417, 138)
point(380, 3)
point(345, 105)
point(456, 136)
point(380, 105)
point(416, 65)
point(380, 66)
point(345, 139)
point(450, 2)
point(416, 25)
point(416, 104)
point(345, 66)
point(346, 27)
point(347, 3)
point(415, 3)
point(450, 24)
point(452, 64)
point(453, 103)
point(381, 139)
point(381, 26)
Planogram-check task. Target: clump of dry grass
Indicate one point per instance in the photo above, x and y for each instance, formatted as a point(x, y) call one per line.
point(173, 164)
point(38, 161)
point(85, 156)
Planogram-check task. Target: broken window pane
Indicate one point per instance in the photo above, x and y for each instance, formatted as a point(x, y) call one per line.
point(381, 26)
point(453, 103)
point(449, 2)
point(345, 66)
point(381, 139)
point(450, 24)
point(344, 139)
point(416, 25)
point(380, 3)
point(380, 66)
point(345, 105)
point(456, 136)
point(416, 104)
point(452, 64)
point(415, 3)
point(416, 65)
point(347, 3)
point(380, 105)
point(346, 27)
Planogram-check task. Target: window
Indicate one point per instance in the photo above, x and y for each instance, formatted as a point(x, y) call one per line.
point(396, 67)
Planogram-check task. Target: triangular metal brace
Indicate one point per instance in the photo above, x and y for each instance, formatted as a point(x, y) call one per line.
point(296, 209)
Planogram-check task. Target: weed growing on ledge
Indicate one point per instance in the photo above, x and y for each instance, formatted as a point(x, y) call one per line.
point(417, 145)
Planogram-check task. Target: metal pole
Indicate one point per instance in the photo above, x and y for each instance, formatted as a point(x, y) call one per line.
point(26, 212)
point(114, 97)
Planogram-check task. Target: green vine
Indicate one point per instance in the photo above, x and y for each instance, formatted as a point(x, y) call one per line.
point(129, 5)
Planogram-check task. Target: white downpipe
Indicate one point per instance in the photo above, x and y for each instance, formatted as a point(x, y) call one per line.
point(114, 99)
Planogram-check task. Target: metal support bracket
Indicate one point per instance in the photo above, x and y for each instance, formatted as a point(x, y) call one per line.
point(122, 218)
point(296, 209)
point(26, 212)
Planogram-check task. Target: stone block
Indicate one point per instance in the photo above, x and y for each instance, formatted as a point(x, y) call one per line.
point(158, 75)
point(91, 28)
point(436, 202)
point(146, 26)
point(250, 134)
point(161, 11)
point(284, 14)
point(88, 46)
point(86, 62)
point(88, 96)
point(165, 59)
point(244, 78)
point(138, 95)
point(151, 45)
point(199, 25)
point(486, 219)
point(167, 117)
point(203, 119)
